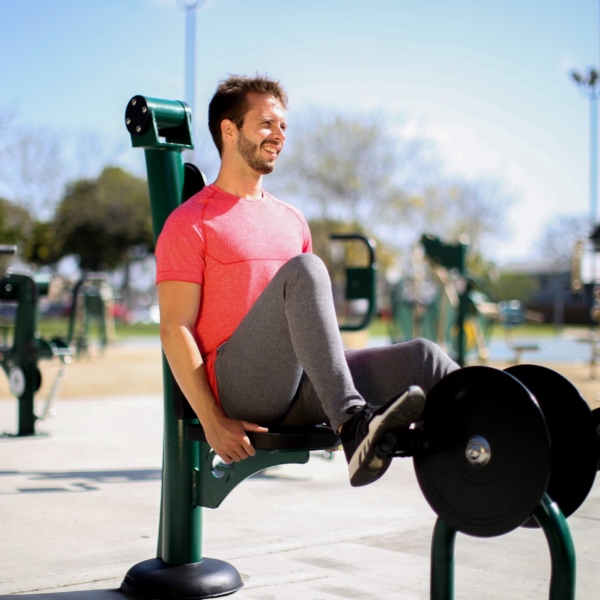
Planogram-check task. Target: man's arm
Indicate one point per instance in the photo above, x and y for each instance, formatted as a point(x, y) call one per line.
point(179, 303)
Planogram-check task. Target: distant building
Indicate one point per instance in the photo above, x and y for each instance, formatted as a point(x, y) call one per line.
point(553, 296)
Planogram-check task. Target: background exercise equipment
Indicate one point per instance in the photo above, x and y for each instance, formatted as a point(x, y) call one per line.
point(22, 346)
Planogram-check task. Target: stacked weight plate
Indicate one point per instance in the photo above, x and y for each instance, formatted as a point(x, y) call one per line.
point(497, 441)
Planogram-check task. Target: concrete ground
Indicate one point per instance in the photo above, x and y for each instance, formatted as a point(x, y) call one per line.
point(80, 506)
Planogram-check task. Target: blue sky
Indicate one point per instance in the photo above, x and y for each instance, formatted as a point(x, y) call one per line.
point(487, 80)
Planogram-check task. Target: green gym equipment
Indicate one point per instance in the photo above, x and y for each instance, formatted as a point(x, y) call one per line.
point(22, 346)
point(191, 477)
point(494, 450)
point(90, 306)
point(451, 312)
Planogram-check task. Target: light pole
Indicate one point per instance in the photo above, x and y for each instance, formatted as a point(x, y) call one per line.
point(590, 85)
point(190, 6)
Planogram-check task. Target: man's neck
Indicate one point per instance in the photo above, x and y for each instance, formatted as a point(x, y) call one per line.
point(240, 183)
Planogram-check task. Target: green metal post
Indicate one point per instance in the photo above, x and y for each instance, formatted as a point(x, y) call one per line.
point(163, 129)
point(562, 550)
point(24, 348)
point(442, 562)
point(181, 522)
point(452, 256)
point(21, 359)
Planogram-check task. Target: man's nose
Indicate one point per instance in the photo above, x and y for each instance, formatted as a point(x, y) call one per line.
point(280, 134)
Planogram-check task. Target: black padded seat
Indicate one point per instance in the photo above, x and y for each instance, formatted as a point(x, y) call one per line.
point(317, 437)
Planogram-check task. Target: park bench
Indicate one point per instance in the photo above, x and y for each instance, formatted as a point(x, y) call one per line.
point(512, 314)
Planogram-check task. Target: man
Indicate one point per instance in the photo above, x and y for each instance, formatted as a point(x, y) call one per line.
point(247, 318)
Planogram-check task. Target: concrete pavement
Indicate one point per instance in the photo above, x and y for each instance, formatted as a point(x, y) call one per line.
point(80, 506)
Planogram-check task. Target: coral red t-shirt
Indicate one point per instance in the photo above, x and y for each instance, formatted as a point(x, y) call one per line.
point(232, 247)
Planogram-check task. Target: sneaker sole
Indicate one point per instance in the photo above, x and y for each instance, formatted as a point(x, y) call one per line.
point(365, 466)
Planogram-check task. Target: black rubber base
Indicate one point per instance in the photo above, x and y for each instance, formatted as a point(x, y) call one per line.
point(156, 579)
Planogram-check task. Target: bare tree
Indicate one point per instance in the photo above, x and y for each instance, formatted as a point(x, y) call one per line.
point(349, 168)
point(477, 208)
point(38, 170)
point(363, 170)
point(560, 234)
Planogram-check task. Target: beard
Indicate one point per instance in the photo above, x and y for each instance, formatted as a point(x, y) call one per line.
point(250, 152)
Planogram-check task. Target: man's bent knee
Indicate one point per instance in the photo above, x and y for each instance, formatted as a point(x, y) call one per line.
point(306, 266)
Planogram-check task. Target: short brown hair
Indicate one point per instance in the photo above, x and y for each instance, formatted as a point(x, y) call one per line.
point(230, 101)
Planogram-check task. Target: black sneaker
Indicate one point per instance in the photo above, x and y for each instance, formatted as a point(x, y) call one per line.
point(363, 431)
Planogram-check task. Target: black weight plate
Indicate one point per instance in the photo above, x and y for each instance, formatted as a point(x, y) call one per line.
point(573, 437)
point(596, 415)
point(496, 498)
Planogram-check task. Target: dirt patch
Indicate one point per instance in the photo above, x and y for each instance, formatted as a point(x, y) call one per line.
point(119, 371)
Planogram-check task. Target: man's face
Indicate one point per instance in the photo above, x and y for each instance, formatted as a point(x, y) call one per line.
point(261, 138)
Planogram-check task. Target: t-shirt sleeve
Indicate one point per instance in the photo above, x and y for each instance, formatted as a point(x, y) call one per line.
point(180, 252)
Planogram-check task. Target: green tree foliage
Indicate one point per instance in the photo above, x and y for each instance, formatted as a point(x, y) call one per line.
point(42, 248)
point(513, 286)
point(345, 168)
point(16, 224)
point(476, 208)
point(361, 169)
point(100, 219)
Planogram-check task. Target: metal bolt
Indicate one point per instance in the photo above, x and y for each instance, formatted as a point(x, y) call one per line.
point(8, 287)
point(133, 102)
point(138, 128)
point(478, 451)
point(144, 109)
point(127, 121)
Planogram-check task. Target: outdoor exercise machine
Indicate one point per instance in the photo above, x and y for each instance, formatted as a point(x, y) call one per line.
point(192, 477)
point(21, 351)
point(494, 450)
point(90, 302)
point(453, 311)
point(450, 317)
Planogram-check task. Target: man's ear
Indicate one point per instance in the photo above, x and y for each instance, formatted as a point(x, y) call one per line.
point(228, 131)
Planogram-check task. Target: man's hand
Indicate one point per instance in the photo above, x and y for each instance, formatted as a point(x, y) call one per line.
point(227, 437)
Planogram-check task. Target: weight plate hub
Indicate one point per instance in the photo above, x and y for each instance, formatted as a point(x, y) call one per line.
point(573, 435)
point(486, 464)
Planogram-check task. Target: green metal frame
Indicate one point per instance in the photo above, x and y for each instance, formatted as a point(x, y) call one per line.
point(189, 482)
point(87, 307)
point(27, 347)
point(212, 484)
point(560, 543)
point(361, 282)
point(452, 256)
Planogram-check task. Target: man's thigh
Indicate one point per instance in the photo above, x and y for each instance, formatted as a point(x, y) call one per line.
point(257, 369)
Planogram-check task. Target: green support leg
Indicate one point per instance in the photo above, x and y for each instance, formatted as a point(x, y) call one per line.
point(27, 417)
point(442, 562)
point(562, 550)
point(560, 543)
point(181, 519)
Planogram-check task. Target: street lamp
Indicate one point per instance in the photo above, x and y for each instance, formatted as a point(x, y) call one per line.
point(190, 6)
point(590, 85)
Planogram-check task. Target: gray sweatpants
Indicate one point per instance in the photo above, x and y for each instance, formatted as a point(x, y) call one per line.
point(285, 364)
